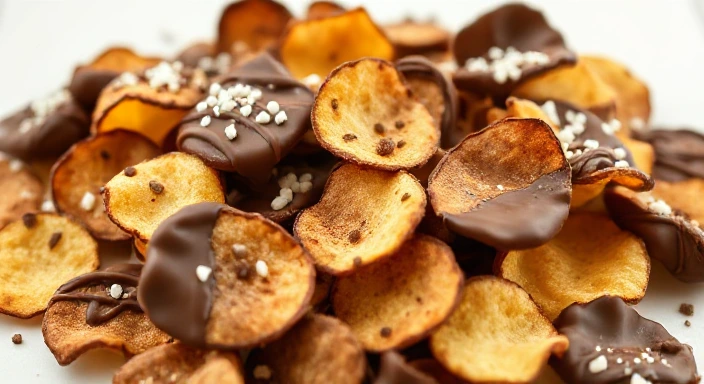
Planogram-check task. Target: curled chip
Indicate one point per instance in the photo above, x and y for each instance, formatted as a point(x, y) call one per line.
point(411, 37)
point(178, 363)
point(364, 113)
point(398, 301)
point(158, 188)
point(223, 278)
point(510, 338)
point(150, 102)
point(81, 172)
point(321, 9)
point(318, 350)
point(257, 24)
point(317, 46)
point(507, 186)
point(611, 343)
point(21, 190)
point(37, 254)
point(364, 215)
point(99, 310)
point(589, 258)
point(669, 236)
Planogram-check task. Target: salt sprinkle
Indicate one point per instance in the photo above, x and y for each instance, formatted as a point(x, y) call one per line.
point(637, 123)
point(506, 64)
point(273, 107)
point(261, 268)
point(15, 166)
point(42, 108)
point(500, 187)
point(627, 370)
point(288, 180)
point(279, 203)
point(638, 379)
point(202, 106)
point(637, 360)
point(280, 118)
point(598, 348)
point(619, 361)
point(203, 272)
point(116, 291)
point(48, 206)
point(306, 186)
point(599, 364)
point(621, 164)
point(619, 153)
point(246, 110)
point(311, 80)
point(215, 88)
point(231, 132)
point(88, 201)
point(591, 144)
point(165, 74)
point(305, 177)
point(240, 250)
point(286, 193)
point(205, 121)
point(551, 110)
point(228, 106)
point(566, 136)
point(216, 110)
point(659, 207)
point(263, 118)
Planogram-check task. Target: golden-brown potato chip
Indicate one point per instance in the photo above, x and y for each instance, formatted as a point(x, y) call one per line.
point(20, 190)
point(363, 215)
point(317, 46)
point(366, 114)
point(684, 196)
point(589, 258)
point(411, 37)
point(255, 23)
point(121, 59)
point(516, 107)
point(84, 169)
point(497, 334)
point(318, 350)
point(321, 9)
point(398, 301)
point(37, 254)
point(178, 363)
point(158, 188)
point(643, 153)
point(507, 186)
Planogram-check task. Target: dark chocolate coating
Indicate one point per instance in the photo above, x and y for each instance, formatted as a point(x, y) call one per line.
point(610, 324)
point(679, 154)
point(393, 369)
point(87, 83)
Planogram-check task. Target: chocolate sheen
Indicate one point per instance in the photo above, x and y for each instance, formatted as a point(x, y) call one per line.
point(671, 239)
point(679, 154)
point(87, 83)
point(170, 292)
point(611, 325)
point(393, 369)
point(258, 147)
point(519, 219)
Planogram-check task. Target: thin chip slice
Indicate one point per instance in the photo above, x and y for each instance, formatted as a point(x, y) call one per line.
point(20, 190)
point(321, 9)
point(317, 46)
point(411, 37)
point(318, 350)
point(257, 24)
point(81, 172)
point(398, 301)
point(37, 254)
point(364, 113)
point(158, 189)
point(589, 258)
point(364, 215)
point(684, 196)
point(178, 363)
point(642, 152)
point(510, 338)
point(507, 186)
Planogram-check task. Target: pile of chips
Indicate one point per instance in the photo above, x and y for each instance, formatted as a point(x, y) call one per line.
point(329, 200)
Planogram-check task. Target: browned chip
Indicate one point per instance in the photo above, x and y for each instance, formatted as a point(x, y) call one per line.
point(319, 45)
point(589, 258)
point(37, 254)
point(318, 350)
point(396, 302)
point(257, 24)
point(507, 186)
point(361, 217)
point(321, 9)
point(159, 188)
point(20, 190)
point(684, 196)
point(642, 152)
point(178, 363)
point(411, 37)
point(365, 114)
point(81, 172)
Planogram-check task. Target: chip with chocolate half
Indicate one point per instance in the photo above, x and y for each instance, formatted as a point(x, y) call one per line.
point(251, 119)
point(84, 169)
point(507, 186)
point(221, 278)
point(258, 24)
point(363, 216)
point(179, 363)
point(679, 154)
point(321, 9)
point(99, 310)
point(318, 350)
point(20, 190)
point(611, 343)
point(394, 369)
point(589, 258)
point(411, 37)
point(37, 254)
point(510, 338)
point(398, 301)
point(317, 46)
point(142, 196)
point(365, 114)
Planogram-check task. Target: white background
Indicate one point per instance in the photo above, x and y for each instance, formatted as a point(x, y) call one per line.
point(42, 41)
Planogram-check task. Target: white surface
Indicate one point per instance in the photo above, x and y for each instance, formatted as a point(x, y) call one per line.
point(42, 41)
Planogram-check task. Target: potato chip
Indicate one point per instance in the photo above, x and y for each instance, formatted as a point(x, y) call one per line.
point(507, 186)
point(322, 9)
point(411, 37)
point(257, 24)
point(317, 46)
point(642, 152)
point(396, 302)
point(81, 172)
point(683, 196)
point(522, 108)
point(21, 190)
point(319, 349)
point(364, 215)
point(364, 113)
point(157, 189)
point(178, 363)
point(589, 258)
point(510, 338)
point(37, 254)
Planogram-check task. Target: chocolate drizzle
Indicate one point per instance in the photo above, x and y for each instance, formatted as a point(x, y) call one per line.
point(679, 154)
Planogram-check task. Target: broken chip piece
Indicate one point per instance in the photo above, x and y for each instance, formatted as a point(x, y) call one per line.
point(22, 191)
point(365, 114)
point(507, 186)
point(589, 258)
point(345, 230)
point(83, 170)
point(511, 339)
point(411, 37)
point(611, 343)
point(37, 254)
point(256, 24)
point(158, 188)
point(223, 278)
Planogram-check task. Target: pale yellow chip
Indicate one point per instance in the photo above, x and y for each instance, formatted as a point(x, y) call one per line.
point(20, 190)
